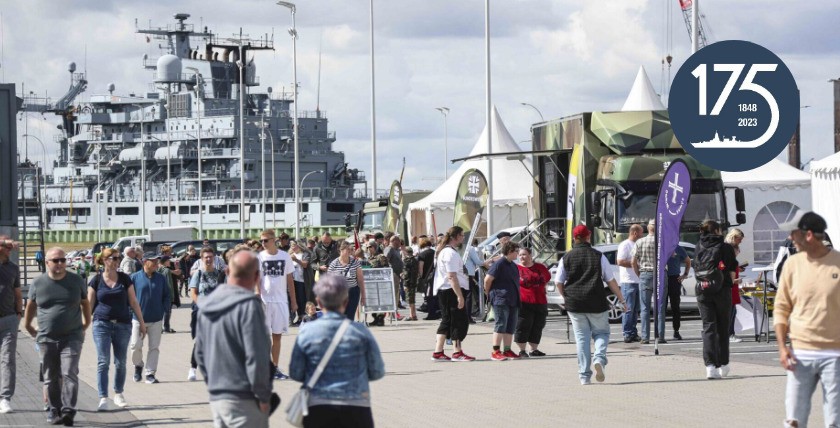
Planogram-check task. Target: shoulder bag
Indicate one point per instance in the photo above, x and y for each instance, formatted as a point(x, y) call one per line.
point(299, 406)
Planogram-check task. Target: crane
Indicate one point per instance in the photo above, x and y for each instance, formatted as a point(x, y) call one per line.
point(686, 6)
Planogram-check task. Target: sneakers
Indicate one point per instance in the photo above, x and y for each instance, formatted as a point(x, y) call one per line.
point(586, 382)
point(523, 354)
point(191, 375)
point(511, 355)
point(735, 339)
point(54, 417)
point(460, 356)
point(645, 342)
point(440, 357)
point(103, 405)
point(278, 375)
point(138, 373)
point(5, 406)
point(628, 339)
point(677, 336)
point(150, 378)
point(599, 371)
point(119, 400)
point(537, 353)
point(497, 356)
point(723, 371)
point(662, 340)
point(712, 372)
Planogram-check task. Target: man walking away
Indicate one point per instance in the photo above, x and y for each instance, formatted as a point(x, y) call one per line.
point(63, 311)
point(807, 309)
point(629, 284)
point(153, 294)
point(580, 280)
point(11, 304)
point(675, 280)
point(231, 349)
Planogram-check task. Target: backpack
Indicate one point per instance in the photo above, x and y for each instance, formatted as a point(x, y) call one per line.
point(708, 271)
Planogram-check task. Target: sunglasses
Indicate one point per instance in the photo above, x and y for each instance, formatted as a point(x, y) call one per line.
point(58, 260)
point(265, 240)
point(115, 258)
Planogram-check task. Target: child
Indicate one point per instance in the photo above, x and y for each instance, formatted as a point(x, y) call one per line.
point(409, 276)
point(311, 313)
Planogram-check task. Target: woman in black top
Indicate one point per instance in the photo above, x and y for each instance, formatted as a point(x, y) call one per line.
point(111, 294)
point(426, 266)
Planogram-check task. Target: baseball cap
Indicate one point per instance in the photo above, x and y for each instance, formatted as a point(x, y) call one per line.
point(502, 234)
point(805, 221)
point(284, 235)
point(151, 255)
point(580, 231)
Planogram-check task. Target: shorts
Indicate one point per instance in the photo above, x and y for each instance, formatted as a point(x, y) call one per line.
point(506, 318)
point(277, 317)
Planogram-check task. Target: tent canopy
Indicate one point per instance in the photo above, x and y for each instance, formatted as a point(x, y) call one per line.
point(512, 183)
point(774, 174)
point(827, 164)
point(642, 97)
point(825, 186)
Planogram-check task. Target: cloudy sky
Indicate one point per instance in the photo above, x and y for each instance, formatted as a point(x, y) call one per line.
point(562, 56)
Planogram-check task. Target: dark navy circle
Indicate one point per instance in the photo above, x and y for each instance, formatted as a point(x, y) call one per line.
point(738, 137)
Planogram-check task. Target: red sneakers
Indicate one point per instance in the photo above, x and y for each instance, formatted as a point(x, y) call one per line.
point(498, 356)
point(461, 356)
point(510, 354)
point(440, 357)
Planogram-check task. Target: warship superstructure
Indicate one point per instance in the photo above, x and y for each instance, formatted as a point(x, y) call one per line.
point(133, 161)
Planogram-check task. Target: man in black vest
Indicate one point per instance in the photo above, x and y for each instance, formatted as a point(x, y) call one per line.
point(580, 279)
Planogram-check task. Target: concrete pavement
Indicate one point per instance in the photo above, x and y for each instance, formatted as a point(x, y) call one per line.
point(641, 389)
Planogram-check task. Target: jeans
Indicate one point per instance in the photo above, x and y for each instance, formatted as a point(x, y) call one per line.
point(506, 317)
point(630, 291)
point(61, 374)
point(166, 317)
point(801, 383)
point(646, 284)
point(106, 334)
point(354, 295)
point(245, 413)
point(586, 327)
point(300, 299)
point(8, 351)
point(715, 311)
point(153, 333)
point(674, 296)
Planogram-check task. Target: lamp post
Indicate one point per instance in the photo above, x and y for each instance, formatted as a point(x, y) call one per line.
point(489, 107)
point(198, 83)
point(293, 33)
point(301, 186)
point(241, 64)
point(372, 107)
point(445, 112)
point(542, 119)
point(44, 167)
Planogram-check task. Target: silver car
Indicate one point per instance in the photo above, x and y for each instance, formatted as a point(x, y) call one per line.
point(555, 300)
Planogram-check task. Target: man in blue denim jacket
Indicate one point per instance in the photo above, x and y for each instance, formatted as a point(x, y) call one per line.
point(342, 393)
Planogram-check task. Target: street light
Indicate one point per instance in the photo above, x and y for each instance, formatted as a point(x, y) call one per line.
point(301, 185)
point(542, 119)
point(44, 167)
point(293, 33)
point(241, 64)
point(198, 82)
point(372, 107)
point(143, 166)
point(488, 106)
point(445, 112)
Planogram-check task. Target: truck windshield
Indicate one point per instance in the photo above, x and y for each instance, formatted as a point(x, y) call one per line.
point(706, 202)
point(373, 220)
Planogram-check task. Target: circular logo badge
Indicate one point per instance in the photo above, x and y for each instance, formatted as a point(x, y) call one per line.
point(734, 105)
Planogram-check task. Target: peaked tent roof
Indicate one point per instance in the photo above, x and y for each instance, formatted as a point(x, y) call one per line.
point(775, 174)
point(827, 164)
point(512, 183)
point(642, 97)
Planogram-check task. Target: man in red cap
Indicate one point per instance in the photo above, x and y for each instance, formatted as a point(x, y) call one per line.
point(581, 275)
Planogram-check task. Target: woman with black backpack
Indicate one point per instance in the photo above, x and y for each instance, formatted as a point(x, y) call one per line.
point(715, 267)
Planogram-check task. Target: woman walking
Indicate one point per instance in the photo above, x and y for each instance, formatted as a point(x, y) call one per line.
point(450, 284)
point(734, 238)
point(715, 305)
point(351, 269)
point(533, 278)
point(111, 293)
point(301, 262)
point(340, 394)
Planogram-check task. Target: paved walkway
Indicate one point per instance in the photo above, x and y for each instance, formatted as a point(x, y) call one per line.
point(641, 389)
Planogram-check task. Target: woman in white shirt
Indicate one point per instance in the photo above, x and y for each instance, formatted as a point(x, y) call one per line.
point(450, 286)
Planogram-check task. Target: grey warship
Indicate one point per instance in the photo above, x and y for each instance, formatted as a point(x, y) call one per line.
point(137, 162)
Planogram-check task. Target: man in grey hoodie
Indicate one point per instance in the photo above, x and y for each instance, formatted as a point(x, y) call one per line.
point(232, 349)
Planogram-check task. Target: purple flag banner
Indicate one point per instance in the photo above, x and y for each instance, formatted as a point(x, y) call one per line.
point(674, 191)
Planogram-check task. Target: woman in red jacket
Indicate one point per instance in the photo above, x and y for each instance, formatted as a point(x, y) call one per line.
point(532, 280)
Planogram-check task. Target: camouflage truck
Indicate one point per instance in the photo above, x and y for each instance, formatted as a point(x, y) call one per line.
point(603, 169)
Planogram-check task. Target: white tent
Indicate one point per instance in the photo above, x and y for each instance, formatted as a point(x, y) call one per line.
point(825, 191)
point(772, 193)
point(512, 187)
point(642, 97)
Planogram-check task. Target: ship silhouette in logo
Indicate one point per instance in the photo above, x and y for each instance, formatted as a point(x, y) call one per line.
point(730, 143)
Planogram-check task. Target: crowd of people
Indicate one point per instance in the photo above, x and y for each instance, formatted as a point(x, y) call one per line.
point(245, 300)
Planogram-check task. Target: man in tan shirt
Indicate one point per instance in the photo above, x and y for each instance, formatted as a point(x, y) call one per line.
point(807, 310)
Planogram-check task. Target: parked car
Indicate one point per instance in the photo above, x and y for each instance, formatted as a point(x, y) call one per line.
point(490, 245)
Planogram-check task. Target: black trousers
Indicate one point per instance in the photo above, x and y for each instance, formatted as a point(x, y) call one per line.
point(531, 323)
point(326, 416)
point(715, 311)
point(454, 322)
point(674, 293)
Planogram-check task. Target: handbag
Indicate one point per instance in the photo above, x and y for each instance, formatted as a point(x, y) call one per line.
point(299, 406)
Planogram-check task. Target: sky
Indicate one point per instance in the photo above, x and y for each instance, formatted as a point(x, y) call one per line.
point(562, 56)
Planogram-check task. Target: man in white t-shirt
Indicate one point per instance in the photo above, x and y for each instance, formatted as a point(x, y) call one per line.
point(277, 290)
point(629, 282)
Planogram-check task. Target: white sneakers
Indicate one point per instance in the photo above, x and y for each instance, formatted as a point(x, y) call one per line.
point(712, 372)
point(735, 339)
point(599, 371)
point(119, 400)
point(723, 371)
point(191, 376)
point(5, 406)
point(103, 405)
